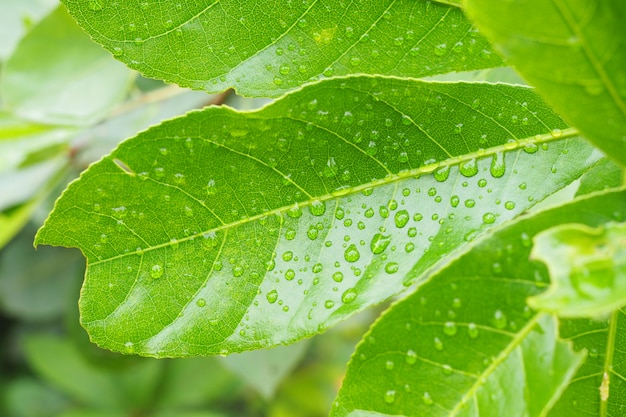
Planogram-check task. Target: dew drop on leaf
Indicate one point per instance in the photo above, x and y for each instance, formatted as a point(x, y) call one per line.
point(156, 271)
point(379, 243)
point(390, 396)
point(499, 319)
point(329, 304)
point(391, 267)
point(410, 357)
point(349, 295)
point(317, 208)
point(469, 168)
point(498, 166)
point(338, 276)
point(472, 330)
point(449, 328)
point(426, 399)
point(352, 254)
point(401, 218)
point(200, 302)
point(272, 296)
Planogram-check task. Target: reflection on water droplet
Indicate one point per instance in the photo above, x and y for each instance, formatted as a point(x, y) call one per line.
point(317, 208)
point(329, 304)
point(489, 218)
point(200, 302)
point(338, 276)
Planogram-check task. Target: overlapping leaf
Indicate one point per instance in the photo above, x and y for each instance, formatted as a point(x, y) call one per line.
point(223, 231)
point(466, 343)
point(264, 48)
point(572, 51)
point(57, 75)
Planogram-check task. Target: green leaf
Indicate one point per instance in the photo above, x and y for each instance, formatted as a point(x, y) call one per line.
point(588, 269)
point(604, 175)
point(266, 48)
point(454, 348)
point(404, 382)
point(571, 51)
point(16, 19)
point(28, 397)
point(61, 363)
point(223, 231)
point(37, 286)
point(40, 81)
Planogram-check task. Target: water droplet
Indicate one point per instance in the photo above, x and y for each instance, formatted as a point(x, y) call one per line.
point(499, 319)
point(498, 166)
point(469, 203)
point(329, 304)
point(441, 174)
point(426, 399)
point(449, 328)
point(369, 213)
point(472, 330)
point(317, 208)
point(352, 254)
point(200, 302)
point(392, 267)
point(156, 271)
point(469, 168)
point(349, 295)
point(410, 357)
point(509, 205)
point(238, 271)
point(294, 212)
point(441, 49)
point(489, 218)
point(438, 344)
point(401, 218)
point(409, 247)
point(272, 296)
point(390, 396)
point(338, 276)
point(482, 183)
point(556, 133)
point(290, 274)
point(312, 233)
point(389, 365)
point(379, 243)
point(454, 200)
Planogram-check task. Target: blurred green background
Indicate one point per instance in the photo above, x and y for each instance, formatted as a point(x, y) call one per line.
point(64, 103)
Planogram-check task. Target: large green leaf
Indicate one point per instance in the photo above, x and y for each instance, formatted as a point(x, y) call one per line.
point(466, 343)
point(572, 51)
point(264, 48)
point(223, 231)
point(57, 75)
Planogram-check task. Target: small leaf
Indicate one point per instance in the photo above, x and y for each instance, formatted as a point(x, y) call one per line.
point(572, 52)
point(587, 267)
point(223, 231)
point(266, 48)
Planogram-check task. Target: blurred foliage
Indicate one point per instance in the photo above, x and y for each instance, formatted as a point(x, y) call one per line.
point(48, 367)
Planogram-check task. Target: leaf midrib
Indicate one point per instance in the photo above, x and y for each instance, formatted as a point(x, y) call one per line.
point(389, 179)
